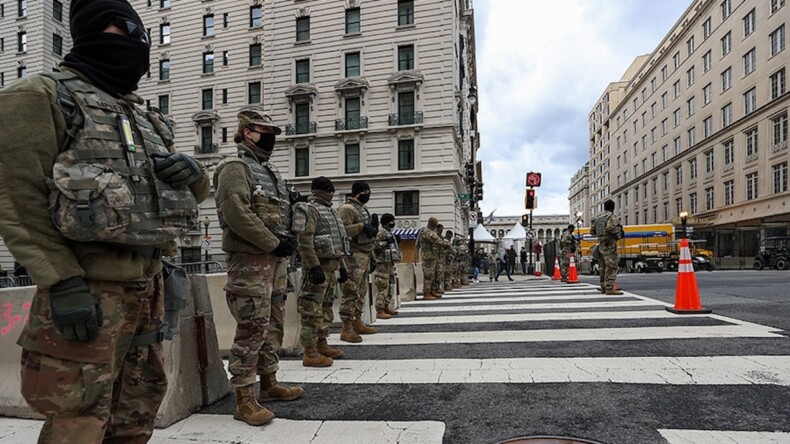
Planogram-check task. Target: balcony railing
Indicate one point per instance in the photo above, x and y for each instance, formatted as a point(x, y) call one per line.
point(301, 128)
point(207, 148)
point(352, 123)
point(751, 157)
point(779, 146)
point(406, 119)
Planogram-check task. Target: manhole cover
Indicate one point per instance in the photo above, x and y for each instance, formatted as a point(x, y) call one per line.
point(548, 440)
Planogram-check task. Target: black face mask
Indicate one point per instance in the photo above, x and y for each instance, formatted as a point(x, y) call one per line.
point(363, 198)
point(112, 62)
point(266, 142)
point(391, 226)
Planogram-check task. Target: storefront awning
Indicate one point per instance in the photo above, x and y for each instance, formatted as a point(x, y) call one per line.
point(407, 233)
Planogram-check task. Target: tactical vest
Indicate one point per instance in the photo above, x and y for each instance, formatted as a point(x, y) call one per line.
point(331, 240)
point(103, 190)
point(427, 250)
point(364, 217)
point(270, 198)
point(390, 254)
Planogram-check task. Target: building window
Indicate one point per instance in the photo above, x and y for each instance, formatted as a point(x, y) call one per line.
point(678, 146)
point(302, 162)
point(664, 101)
point(679, 175)
point(406, 154)
point(778, 84)
point(750, 101)
point(208, 25)
point(707, 94)
point(678, 205)
point(726, 44)
point(407, 203)
point(780, 177)
point(709, 163)
point(302, 29)
point(690, 106)
point(224, 135)
point(22, 8)
point(780, 130)
point(353, 113)
point(664, 72)
point(726, 79)
point(2, 44)
point(690, 45)
point(255, 54)
point(256, 16)
point(303, 71)
point(208, 62)
point(302, 118)
point(676, 87)
point(707, 60)
point(224, 96)
point(207, 99)
point(729, 192)
point(164, 104)
point(749, 62)
point(21, 41)
point(164, 34)
point(405, 12)
point(693, 168)
point(2, 79)
point(206, 139)
point(664, 127)
point(709, 198)
point(726, 115)
point(666, 181)
point(57, 10)
point(748, 23)
point(777, 39)
point(254, 92)
point(676, 117)
point(752, 191)
point(164, 69)
point(164, 3)
point(707, 127)
point(57, 44)
point(676, 60)
point(726, 9)
point(405, 57)
point(664, 153)
point(224, 58)
point(352, 64)
point(666, 210)
point(706, 28)
point(776, 5)
point(352, 21)
point(352, 158)
point(693, 203)
point(225, 20)
point(406, 114)
point(751, 142)
point(729, 152)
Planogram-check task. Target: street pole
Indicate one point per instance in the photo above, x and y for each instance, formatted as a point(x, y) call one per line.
point(531, 266)
point(206, 223)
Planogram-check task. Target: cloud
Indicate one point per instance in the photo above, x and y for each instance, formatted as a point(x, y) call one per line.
point(541, 67)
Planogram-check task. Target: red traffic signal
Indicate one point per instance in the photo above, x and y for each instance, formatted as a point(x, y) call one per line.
point(533, 179)
point(531, 200)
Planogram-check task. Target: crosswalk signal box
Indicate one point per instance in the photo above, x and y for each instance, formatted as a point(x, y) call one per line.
point(530, 200)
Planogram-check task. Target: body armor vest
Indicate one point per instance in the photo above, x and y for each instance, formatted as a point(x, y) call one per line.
point(331, 240)
point(364, 217)
point(269, 195)
point(600, 225)
point(390, 254)
point(105, 190)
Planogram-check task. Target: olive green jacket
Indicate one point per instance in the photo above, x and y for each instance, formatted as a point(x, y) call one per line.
point(350, 217)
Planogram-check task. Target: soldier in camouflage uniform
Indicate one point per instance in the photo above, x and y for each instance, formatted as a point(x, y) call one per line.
point(387, 254)
point(429, 244)
point(608, 230)
point(362, 227)
point(93, 194)
point(254, 210)
point(465, 262)
point(323, 244)
point(567, 246)
point(449, 262)
point(441, 257)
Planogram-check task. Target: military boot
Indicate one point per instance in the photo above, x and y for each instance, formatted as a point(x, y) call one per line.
point(348, 334)
point(271, 390)
point(428, 297)
point(361, 328)
point(612, 291)
point(382, 314)
point(312, 358)
point(391, 311)
point(248, 409)
point(326, 350)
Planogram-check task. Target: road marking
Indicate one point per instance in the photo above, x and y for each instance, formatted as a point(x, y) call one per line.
point(555, 297)
point(520, 317)
point(722, 436)
point(718, 370)
point(476, 308)
point(575, 334)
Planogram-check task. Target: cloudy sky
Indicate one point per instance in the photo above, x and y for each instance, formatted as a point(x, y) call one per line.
point(541, 65)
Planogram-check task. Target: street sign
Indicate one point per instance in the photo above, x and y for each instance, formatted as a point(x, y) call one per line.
point(472, 220)
point(206, 247)
point(532, 234)
point(463, 197)
point(533, 179)
point(689, 229)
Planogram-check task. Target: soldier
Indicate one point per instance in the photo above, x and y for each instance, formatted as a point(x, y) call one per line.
point(362, 227)
point(465, 259)
point(567, 246)
point(323, 244)
point(429, 244)
point(608, 230)
point(449, 262)
point(441, 256)
point(493, 266)
point(99, 195)
point(387, 254)
point(255, 215)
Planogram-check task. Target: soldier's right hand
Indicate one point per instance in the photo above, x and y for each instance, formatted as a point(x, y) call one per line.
point(286, 247)
point(316, 275)
point(370, 230)
point(74, 311)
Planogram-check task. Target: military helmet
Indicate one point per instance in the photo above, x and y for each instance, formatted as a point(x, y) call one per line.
point(255, 115)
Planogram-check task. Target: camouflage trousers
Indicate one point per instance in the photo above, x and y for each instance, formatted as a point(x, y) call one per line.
point(384, 284)
point(248, 292)
point(438, 283)
point(449, 275)
point(355, 289)
point(492, 269)
point(608, 269)
point(565, 262)
point(315, 304)
point(428, 275)
point(268, 357)
point(105, 390)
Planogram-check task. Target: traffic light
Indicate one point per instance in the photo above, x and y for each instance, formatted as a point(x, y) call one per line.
point(470, 172)
point(479, 191)
point(525, 220)
point(533, 179)
point(531, 200)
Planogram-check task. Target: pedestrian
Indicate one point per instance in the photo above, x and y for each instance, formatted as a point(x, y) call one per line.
point(476, 262)
point(523, 259)
point(464, 259)
point(429, 244)
point(254, 212)
point(362, 227)
point(387, 254)
point(502, 265)
point(323, 245)
point(74, 141)
point(441, 258)
point(511, 260)
point(537, 249)
point(608, 230)
point(493, 266)
point(567, 246)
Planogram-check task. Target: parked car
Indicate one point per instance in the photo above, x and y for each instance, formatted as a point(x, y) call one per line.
point(774, 253)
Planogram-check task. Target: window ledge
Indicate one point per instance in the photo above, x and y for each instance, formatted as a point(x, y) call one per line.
point(302, 42)
point(164, 44)
point(206, 37)
point(163, 82)
point(352, 34)
point(254, 67)
point(402, 27)
point(207, 74)
point(255, 28)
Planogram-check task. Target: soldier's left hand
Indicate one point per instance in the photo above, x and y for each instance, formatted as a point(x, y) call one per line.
point(343, 276)
point(374, 220)
point(398, 239)
point(373, 265)
point(176, 169)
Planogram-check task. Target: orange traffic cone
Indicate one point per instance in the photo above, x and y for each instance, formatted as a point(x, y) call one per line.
point(573, 277)
point(557, 276)
point(686, 292)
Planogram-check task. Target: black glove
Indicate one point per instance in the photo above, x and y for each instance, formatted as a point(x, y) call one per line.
point(398, 239)
point(370, 230)
point(374, 220)
point(373, 265)
point(74, 311)
point(286, 247)
point(316, 275)
point(176, 169)
point(343, 276)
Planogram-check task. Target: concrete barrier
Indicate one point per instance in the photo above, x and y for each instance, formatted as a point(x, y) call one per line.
point(408, 292)
point(14, 308)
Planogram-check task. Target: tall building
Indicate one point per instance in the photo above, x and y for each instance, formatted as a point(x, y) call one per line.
point(579, 192)
point(701, 127)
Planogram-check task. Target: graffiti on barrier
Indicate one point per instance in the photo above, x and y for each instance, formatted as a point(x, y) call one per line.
point(13, 315)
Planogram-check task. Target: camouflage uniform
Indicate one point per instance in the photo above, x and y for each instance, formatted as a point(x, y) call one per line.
point(387, 254)
point(429, 244)
point(274, 338)
point(107, 388)
point(608, 230)
point(449, 266)
point(566, 243)
point(465, 259)
point(492, 266)
point(355, 289)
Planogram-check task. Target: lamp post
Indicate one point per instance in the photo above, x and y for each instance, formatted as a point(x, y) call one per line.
point(206, 242)
point(471, 98)
point(683, 218)
point(579, 223)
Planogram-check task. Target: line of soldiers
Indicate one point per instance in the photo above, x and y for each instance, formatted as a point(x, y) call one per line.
point(445, 263)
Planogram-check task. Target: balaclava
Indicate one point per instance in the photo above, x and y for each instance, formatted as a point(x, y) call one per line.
point(114, 63)
point(359, 187)
point(388, 219)
point(323, 188)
